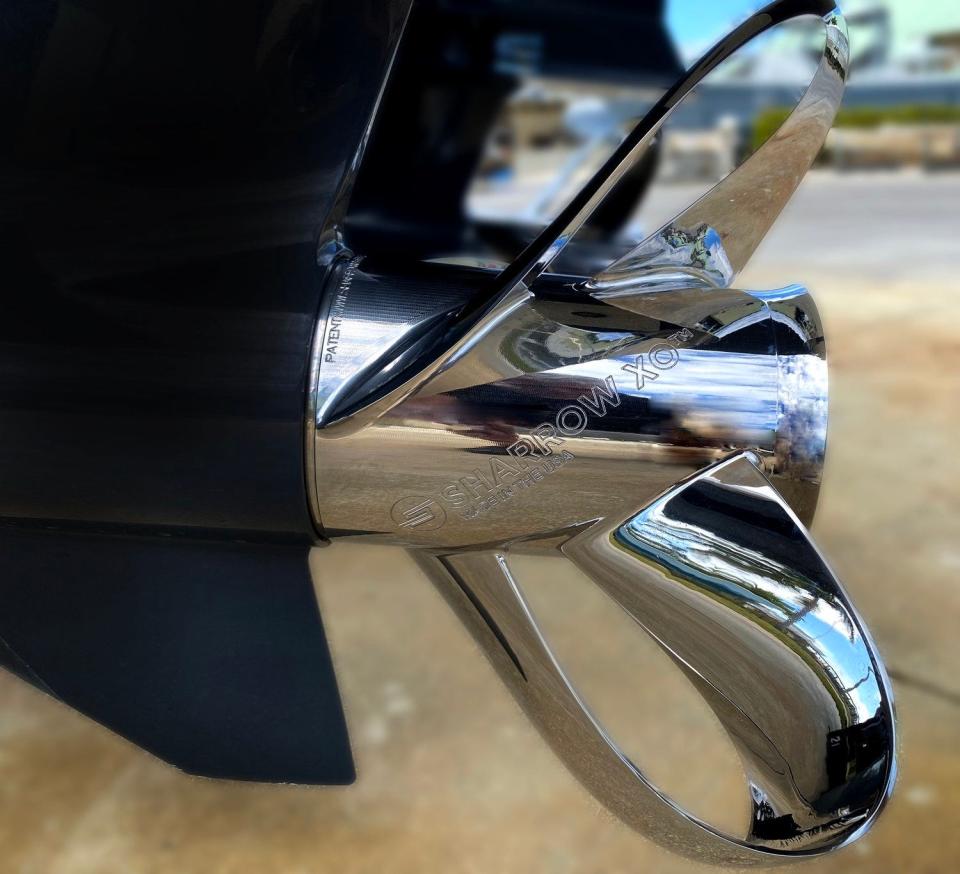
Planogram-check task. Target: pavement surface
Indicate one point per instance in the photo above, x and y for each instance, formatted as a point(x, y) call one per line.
point(451, 777)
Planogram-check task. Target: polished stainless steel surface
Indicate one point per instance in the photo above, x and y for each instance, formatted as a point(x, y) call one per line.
point(722, 574)
point(573, 409)
point(561, 413)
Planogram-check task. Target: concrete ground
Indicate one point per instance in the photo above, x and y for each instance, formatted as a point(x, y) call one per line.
point(451, 777)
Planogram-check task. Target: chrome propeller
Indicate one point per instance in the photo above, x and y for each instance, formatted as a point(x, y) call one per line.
point(664, 432)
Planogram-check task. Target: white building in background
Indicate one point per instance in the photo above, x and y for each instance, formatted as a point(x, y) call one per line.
point(903, 52)
point(919, 37)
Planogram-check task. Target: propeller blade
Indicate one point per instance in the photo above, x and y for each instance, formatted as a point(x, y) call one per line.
point(724, 576)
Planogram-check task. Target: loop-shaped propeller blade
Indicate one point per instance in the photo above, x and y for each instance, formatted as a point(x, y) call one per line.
point(722, 574)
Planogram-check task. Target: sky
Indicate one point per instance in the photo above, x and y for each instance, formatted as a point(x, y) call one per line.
point(697, 24)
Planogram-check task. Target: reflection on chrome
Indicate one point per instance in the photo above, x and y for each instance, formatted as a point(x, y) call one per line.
point(740, 379)
point(783, 644)
point(713, 239)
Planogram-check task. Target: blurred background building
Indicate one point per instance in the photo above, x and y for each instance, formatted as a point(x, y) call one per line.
point(901, 108)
